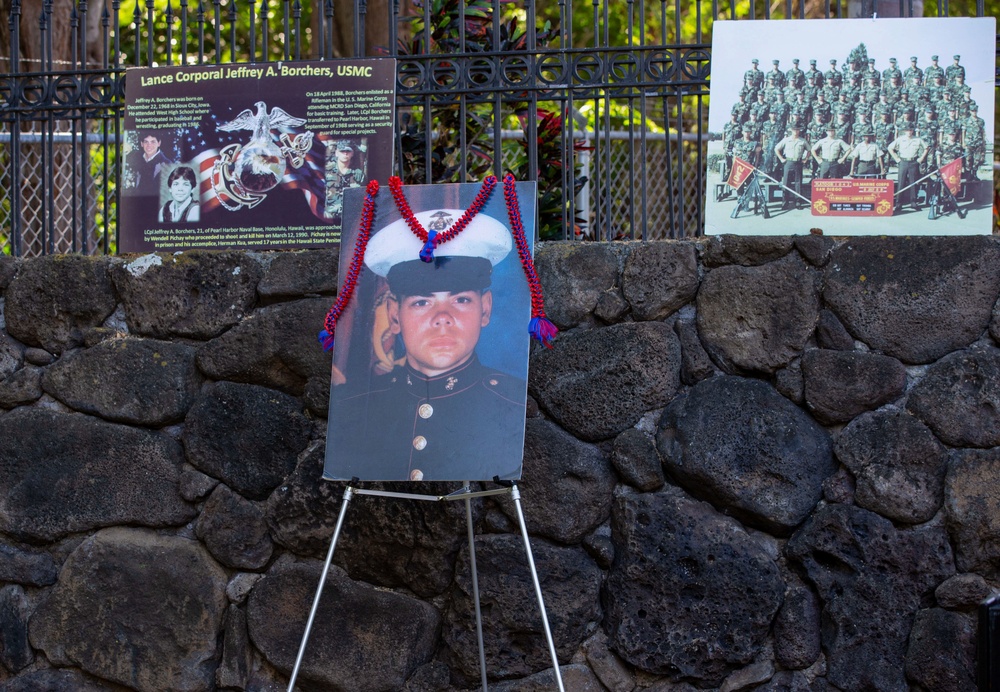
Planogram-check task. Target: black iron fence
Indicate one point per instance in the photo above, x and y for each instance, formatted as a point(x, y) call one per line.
point(604, 102)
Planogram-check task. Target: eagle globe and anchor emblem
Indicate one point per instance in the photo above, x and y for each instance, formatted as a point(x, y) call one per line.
point(245, 173)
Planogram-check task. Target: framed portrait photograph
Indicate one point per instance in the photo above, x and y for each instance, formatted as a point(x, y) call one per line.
point(429, 378)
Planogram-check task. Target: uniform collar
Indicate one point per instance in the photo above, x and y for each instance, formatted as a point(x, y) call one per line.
point(449, 383)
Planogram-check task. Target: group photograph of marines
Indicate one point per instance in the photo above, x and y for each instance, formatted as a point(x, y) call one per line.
point(894, 105)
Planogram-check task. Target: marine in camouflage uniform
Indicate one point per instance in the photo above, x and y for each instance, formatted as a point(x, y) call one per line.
point(832, 76)
point(954, 70)
point(822, 107)
point(893, 91)
point(741, 109)
point(933, 70)
point(754, 74)
point(974, 141)
point(912, 70)
point(844, 130)
point(883, 106)
point(776, 74)
point(730, 134)
point(771, 133)
point(760, 107)
point(890, 72)
point(950, 149)
point(800, 111)
point(927, 130)
point(950, 121)
point(340, 175)
point(902, 107)
point(746, 148)
point(795, 76)
point(885, 132)
point(872, 73)
point(813, 73)
point(755, 126)
point(782, 109)
point(843, 106)
point(816, 130)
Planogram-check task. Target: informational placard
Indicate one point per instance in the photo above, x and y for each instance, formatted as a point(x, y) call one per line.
point(431, 357)
point(250, 156)
point(851, 127)
point(850, 197)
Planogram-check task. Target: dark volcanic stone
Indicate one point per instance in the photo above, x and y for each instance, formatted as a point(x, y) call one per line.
point(15, 651)
point(363, 639)
point(816, 249)
point(300, 273)
point(611, 306)
point(636, 461)
point(830, 333)
point(840, 487)
point(23, 387)
point(383, 541)
point(841, 384)
point(11, 356)
point(247, 436)
point(962, 592)
point(194, 294)
point(138, 381)
point(23, 565)
point(942, 651)
point(234, 669)
point(580, 381)
point(796, 629)
point(995, 323)
point(972, 510)
point(758, 318)
point(567, 486)
point(691, 595)
point(742, 446)
point(54, 299)
point(789, 382)
point(573, 276)
point(234, 530)
point(696, 364)
point(512, 627)
point(959, 398)
point(151, 607)
point(8, 268)
point(898, 463)
point(914, 298)
point(274, 347)
point(660, 278)
point(575, 676)
point(62, 473)
point(58, 680)
point(745, 250)
point(871, 579)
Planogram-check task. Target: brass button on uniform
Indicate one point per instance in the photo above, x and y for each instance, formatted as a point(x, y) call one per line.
point(425, 411)
point(419, 442)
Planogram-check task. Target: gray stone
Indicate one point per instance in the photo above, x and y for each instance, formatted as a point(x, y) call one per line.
point(234, 530)
point(796, 629)
point(195, 485)
point(871, 578)
point(840, 487)
point(758, 318)
point(671, 605)
point(573, 276)
point(151, 606)
point(660, 278)
point(24, 565)
point(742, 446)
point(745, 250)
point(234, 669)
point(816, 249)
point(791, 681)
point(635, 459)
point(15, 651)
point(63, 473)
point(611, 306)
point(39, 356)
point(959, 398)
point(610, 670)
point(512, 628)
point(566, 487)
point(300, 273)
point(995, 323)
point(696, 364)
point(54, 299)
point(914, 298)
point(383, 541)
point(11, 356)
point(746, 678)
point(579, 382)
point(137, 381)
point(275, 347)
point(839, 385)
point(247, 436)
point(898, 463)
point(8, 268)
point(240, 586)
point(942, 651)
point(23, 387)
point(972, 510)
point(58, 680)
point(600, 546)
point(576, 676)
point(831, 334)
point(790, 383)
point(363, 639)
point(962, 592)
point(430, 677)
point(195, 294)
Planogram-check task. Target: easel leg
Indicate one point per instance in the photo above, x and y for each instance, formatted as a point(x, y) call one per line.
point(348, 493)
point(516, 496)
point(475, 593)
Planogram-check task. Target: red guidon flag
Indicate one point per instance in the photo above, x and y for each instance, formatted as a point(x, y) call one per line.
point(951, 174)
point(741, 169)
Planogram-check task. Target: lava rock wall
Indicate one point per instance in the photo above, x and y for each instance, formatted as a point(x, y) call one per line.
point(750, 464)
